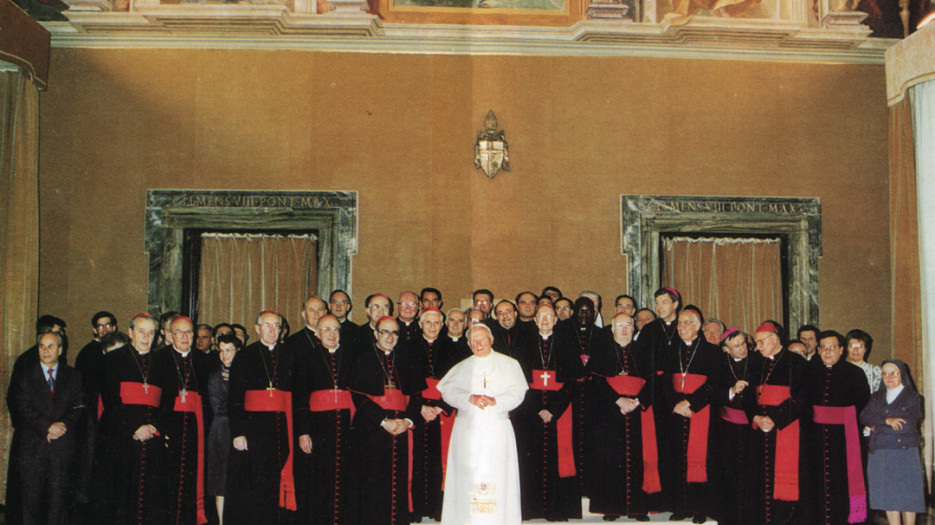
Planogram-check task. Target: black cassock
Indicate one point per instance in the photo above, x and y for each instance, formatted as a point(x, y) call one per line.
point(732, 438)
point(587, 340)
point(772, 502)
point(130, 479)
point(547, 491)
point(384, 386)
point(38, 481)
point(658, 341)
point(614, 441)
point(827, 460)
point(90, 362)
point(185, 394)
point(260, 488)
point(434, 360)
point(324, 414)
point(690, 475)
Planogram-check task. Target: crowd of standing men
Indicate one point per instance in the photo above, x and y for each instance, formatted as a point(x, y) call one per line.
point(338, 423)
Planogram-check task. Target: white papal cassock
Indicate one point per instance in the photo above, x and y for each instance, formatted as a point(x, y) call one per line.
point(482, 478)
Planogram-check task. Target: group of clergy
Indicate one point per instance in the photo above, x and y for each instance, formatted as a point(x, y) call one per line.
point(341, 423)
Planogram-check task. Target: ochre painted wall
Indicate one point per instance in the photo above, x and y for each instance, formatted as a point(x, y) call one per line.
point(399, 129)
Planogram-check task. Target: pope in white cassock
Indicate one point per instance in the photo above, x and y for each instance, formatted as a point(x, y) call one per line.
point(482, 479)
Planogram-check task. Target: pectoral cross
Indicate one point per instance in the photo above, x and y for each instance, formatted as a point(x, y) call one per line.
point(270, 389)
point(390, 385)
point(183, 393)
point(485, 380)
point(683, 381)
point(545, 378)
point(145, 387)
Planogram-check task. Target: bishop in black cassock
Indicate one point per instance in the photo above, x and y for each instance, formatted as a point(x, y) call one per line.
point(837, 393)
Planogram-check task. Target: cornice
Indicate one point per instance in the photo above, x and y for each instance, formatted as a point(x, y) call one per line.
point(276, 28)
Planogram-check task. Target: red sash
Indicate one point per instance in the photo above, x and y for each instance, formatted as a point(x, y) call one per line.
point(847, 416)
point(331, 399)
point(786, 480)
point(545, 380)
point(446, 422)
point(734, 415)
point(697, 457)
point(277, 401)
point(393, 399)
point(631, 386)
point(192, 403)
point(140, 394)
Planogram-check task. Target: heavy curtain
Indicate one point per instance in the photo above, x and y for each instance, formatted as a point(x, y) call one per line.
point(244, 274)
point(736, 280)
point(19, 230)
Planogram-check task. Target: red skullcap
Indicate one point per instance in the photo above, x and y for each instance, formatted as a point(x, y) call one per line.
point(145, 315)
point(729, 332)
point(767, 327)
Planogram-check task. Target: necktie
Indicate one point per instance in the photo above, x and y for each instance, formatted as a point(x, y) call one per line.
point(51, 381)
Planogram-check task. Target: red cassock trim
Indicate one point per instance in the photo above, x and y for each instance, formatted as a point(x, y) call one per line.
point(393, 399)
point(192, 403)
point(697, 459)
point(140, 394)
point(786, 483)
point(847, 416)
point(332, 399)
point(277, 401)
point(445, 420)
point(545, 380)
point(631, 386)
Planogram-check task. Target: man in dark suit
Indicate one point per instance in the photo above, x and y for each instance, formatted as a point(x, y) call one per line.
point(46, 402)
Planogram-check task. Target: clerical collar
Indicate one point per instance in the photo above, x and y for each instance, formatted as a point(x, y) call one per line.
point(270, 348)
point(738, 359)
point(185, 354)
point(429, 342)
point(453, 338)
point(545, 336)
point(335, 349)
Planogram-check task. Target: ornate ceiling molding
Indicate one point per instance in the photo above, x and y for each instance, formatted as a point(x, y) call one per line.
point(275, 27)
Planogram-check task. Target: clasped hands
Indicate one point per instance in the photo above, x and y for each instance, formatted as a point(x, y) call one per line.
point(683, 408)
point(56, 430)
point(142, 434)
point(764, 423)
point(430, 413)
point(395, 426)
point(627, 404)
point(482, 402)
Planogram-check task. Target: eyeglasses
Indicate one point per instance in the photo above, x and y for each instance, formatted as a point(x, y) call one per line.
point(394, 333)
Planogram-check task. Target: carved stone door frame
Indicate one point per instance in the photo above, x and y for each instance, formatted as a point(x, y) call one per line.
point(645, 219)
point(332, 215)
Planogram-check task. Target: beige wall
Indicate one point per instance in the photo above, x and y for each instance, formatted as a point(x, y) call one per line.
point(399, 128)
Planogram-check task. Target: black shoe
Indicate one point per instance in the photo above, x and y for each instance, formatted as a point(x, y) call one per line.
point(678, 517)
point(641, 517)
point(699, 518)
point(610, 517)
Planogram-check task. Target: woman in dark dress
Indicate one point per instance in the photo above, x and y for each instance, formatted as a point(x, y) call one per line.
point(219, 439)
point(894, 468)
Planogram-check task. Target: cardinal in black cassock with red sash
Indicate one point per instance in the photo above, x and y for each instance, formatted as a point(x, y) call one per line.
point(386, 386)
point(432, 432)
point(620, 452)
point(261, 487)
point(130, 478)
point(543, 423)
point(836, 396)
point(776, 447)
point(691, 376)
point(324, 416)
point(185, 393)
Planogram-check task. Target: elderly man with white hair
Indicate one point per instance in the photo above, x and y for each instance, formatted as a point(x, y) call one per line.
point(482, 480)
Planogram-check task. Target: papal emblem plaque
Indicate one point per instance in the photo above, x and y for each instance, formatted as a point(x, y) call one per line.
point(491, 151)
